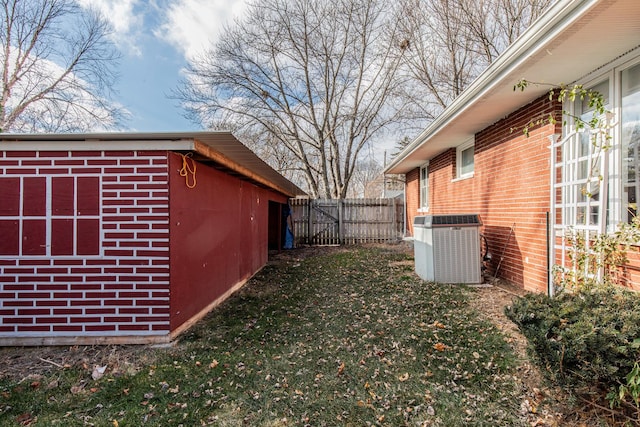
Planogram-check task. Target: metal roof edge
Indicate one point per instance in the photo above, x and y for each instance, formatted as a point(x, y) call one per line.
point(283, 185)
point(44, 144)
point(555, 19)
point(108, 136)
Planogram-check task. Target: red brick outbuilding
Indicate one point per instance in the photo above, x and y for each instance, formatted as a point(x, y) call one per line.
point(128, 238)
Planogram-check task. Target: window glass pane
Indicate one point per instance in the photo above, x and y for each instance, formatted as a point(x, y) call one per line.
point(424, 187)
point(583, 105)
point(630, 139)
point(466, 161)
point(583, 169)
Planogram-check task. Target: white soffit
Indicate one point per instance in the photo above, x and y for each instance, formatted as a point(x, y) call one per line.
point(571, 40)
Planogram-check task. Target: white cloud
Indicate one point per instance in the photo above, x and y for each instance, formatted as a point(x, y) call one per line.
point(125, 21)
point(69, 107)
point(191, 26)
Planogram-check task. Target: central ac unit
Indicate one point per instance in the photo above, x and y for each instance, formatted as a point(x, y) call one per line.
point(447, 248)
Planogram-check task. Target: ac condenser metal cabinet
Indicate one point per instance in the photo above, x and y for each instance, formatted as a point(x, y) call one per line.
point(447, 248)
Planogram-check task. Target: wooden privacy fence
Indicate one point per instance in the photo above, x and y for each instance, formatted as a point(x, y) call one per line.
point(347, 221)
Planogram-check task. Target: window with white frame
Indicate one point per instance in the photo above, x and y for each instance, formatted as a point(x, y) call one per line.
point(465, 160)
point(592, 180)
point(424, 187)
point(630, 139)
point(585, 155)
point(596, 174)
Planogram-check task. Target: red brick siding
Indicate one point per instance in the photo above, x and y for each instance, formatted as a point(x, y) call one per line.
point(412, 184)
point(123, 290)
point(510, 185)
point(630, 275)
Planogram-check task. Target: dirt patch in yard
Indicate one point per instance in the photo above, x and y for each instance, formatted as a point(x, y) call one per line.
point(491, 301)
point(29, 364)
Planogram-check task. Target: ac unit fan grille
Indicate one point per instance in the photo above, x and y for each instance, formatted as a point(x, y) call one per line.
point(456, 220)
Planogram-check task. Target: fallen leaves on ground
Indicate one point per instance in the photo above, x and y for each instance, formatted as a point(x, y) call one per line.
point(353, 337)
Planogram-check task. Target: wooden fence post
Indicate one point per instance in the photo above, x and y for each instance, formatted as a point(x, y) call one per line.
point(392, 233)
point(309, 221)
point(340, 222)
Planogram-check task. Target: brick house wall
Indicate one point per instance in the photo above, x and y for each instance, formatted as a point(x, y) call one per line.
point(510, 185)
point(630, 274)
point(412, 191)
point(105, 218)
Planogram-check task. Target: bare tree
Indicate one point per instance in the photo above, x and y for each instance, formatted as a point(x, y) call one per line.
point(400, 145)
point(367, 179)
point(57, 68)
point(453, 41)
point(317, 77)
point(493, 25)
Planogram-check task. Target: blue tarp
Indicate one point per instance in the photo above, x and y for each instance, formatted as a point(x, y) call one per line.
point(288, 236)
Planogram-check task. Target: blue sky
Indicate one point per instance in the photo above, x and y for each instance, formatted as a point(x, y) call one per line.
point(156, 39)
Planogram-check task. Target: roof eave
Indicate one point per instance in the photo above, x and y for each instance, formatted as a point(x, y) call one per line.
point(557, 18)
point(203, 142)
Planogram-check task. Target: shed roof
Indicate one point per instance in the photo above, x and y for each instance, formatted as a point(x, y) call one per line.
point(219, 149)
point(568, 42)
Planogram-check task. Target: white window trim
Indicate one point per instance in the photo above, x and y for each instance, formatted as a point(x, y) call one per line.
point(459, 150)
point(422, 208)
point(612, 179)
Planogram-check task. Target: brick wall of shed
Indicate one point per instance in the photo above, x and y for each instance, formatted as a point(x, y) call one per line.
point(510, 186)
point(121, 292)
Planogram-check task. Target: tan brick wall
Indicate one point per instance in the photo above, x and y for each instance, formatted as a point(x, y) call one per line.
point(510, 186)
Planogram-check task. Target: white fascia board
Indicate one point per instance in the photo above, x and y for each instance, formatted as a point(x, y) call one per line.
point(96, 145)
point(559, 16)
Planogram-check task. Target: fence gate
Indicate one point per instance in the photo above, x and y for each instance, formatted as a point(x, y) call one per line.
point(347, 221)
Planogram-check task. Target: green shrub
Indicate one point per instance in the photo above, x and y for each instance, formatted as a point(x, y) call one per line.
point(582, 339)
